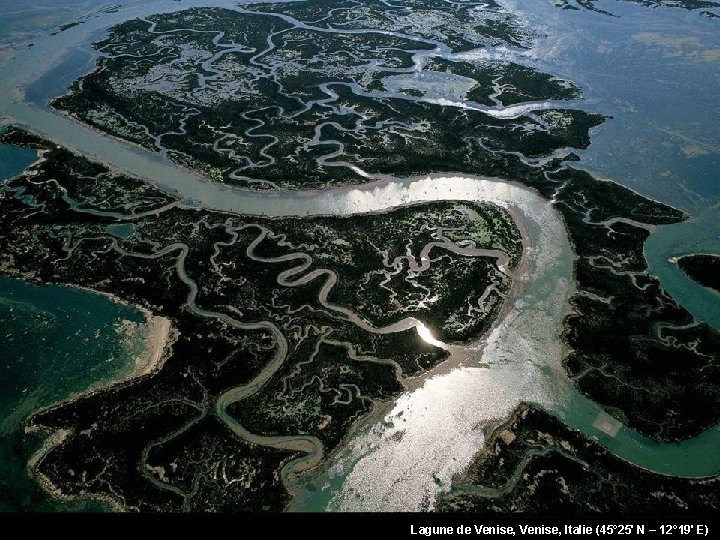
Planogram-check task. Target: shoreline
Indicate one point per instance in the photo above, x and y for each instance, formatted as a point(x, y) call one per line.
point(55, 439)
point(158, 341)
point(160, 335)
point(712, 287)
point(687, 216)
point(699, 254)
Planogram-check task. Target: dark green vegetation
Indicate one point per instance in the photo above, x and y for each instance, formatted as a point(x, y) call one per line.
point(253, 97)
point(175, 452)
point(705, 269)
point(632, 345)
point(535, 464)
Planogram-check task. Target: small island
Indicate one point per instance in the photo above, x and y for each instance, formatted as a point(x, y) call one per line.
point(705, 269)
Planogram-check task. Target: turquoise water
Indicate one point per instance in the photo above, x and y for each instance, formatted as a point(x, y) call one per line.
point(120, 229)
point(655, 72)
point(54, 342)
point(698, 235)
point(692, 458)
point(14, 160)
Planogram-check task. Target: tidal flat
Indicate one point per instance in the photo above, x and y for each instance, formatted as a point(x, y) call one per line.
point(293, 333)
point(59, 342)
point(324, 356)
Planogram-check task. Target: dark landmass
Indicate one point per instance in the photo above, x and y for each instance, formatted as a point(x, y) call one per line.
point(629, 350)
point(705, 269)
point(176, 452)
point(534, 464)
point(249, 97)
point(64, 27)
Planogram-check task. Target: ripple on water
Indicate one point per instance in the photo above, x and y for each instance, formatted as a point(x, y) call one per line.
point(404, 460)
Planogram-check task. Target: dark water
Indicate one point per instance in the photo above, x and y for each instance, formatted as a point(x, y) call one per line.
point(14, 160)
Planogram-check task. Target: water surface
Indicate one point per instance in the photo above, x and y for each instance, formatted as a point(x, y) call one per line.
point(14, 160)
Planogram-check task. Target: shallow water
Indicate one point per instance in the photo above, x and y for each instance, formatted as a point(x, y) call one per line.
point(14, 160)
point(656, 73)
point(56, 342)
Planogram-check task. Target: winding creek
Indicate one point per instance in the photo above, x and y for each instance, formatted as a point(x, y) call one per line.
point(407, 451)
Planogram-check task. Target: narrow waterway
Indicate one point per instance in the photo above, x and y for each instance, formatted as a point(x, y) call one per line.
point(701, 234)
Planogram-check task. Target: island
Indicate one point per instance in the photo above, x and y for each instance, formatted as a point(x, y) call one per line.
point(705, 269)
